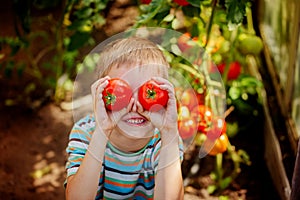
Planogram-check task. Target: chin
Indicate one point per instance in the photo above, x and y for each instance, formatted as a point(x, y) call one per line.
point(137, 131)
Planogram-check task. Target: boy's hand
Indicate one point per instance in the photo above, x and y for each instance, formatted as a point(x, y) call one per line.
point(166, 118)
point(106, 120)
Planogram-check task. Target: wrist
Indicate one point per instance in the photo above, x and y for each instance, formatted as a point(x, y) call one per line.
point(169, 152)
point(98, 144)
point(169, 134)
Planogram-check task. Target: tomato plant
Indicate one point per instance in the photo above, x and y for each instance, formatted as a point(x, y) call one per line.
point(117, 94)
point(152, 97)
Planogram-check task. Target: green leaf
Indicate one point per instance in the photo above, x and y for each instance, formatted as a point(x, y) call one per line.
point(150, 11)
point(236, 10)
point(222, 197)
point(211, 189)
point(78, 40)
point(20, 69)
point(234, 93)
point(232, 128)
point(9, 69)
point(69, 58)
point(224, 183)
point(29, 88)
point(191, 11)
point(99, 20)
point(169, 18)
point(84, 13)
point(195, 3)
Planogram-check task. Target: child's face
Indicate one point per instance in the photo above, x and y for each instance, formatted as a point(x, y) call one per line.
point(134, 123)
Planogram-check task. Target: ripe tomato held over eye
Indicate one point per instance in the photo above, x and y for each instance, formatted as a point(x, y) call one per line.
point(116, 95)
point(152, 97)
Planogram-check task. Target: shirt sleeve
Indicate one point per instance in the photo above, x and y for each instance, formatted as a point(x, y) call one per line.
point(79, 140)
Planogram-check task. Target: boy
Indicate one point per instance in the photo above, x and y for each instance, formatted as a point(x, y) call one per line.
point(131, 153)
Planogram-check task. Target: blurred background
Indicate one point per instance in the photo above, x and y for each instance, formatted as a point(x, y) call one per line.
point(253, 44)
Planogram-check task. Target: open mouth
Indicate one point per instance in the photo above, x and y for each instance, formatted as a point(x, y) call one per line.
point(136, 121)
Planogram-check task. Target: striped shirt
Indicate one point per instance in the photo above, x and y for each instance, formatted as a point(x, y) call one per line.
point(123, 175)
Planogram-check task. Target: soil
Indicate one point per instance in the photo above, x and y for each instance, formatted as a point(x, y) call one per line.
point(33, 142)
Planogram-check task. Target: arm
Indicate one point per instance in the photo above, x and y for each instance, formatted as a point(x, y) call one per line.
point(83, 185)
point(168, 180)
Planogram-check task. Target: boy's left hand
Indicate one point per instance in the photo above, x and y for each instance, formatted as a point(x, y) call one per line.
point(166, 118)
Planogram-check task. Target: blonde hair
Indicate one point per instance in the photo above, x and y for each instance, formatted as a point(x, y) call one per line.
point(131, 51)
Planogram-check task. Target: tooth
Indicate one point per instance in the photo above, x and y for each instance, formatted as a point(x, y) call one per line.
point(135, 121)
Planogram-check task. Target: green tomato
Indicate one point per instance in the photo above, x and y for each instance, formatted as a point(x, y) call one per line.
point(250, 44)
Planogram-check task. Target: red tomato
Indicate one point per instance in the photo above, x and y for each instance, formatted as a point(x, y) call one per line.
point(146, 1)
point(218, 127)
point(203, 116)
point(234, 70)
point(182, 2)
point(189, 98)
point(187, 127)
point(152, 97)
point(117, 94)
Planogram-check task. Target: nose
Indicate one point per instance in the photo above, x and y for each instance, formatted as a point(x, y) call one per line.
point(136, 107)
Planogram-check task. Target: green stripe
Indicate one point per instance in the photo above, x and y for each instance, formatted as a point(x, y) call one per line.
point(121, 181)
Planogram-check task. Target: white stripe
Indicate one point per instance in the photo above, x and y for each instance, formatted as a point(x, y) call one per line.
point(78, 144)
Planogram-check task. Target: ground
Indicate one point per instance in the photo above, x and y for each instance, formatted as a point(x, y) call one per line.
point(32, 151)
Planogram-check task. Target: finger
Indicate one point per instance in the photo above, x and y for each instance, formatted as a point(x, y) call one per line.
point(161, 80)
point(140, 108)
point(130, 105)
point(102, 82)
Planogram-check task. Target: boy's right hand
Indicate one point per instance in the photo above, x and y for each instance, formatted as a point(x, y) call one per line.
point(106, 120)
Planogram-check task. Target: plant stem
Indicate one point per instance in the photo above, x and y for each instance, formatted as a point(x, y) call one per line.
point(250, 26)
point(210, 23)
point(219, 170)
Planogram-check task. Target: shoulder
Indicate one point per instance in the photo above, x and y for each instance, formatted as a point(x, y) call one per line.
point(83, 128)
point(86, 122)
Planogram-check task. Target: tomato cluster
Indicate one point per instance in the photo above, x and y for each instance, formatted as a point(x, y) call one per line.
point(195, 119)
point(117, 94)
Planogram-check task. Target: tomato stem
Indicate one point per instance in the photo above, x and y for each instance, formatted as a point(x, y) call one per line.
point(151, 94)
